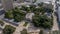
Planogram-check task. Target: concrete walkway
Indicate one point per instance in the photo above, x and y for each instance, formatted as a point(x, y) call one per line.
point(8, 24)
point(55, 24)
point(19, 28)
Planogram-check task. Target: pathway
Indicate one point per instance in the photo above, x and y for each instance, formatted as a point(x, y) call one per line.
point(19, 28)
point(55, 24)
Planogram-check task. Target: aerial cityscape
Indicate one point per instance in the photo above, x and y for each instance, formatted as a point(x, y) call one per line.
point(29, 16)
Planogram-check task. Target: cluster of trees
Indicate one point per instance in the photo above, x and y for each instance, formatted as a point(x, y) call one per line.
point(9, 14)
point(25, 8)
point(38, 20)
point(30, 8)
point(8, 29)
point(15, 14)
point(42, 21)
point(18, 14)
point(39, 9)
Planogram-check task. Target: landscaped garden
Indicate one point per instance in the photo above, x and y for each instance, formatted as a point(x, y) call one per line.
point(40, 19)
point(15, 14)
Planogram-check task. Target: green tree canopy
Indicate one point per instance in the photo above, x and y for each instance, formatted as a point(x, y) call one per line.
point(18, 15)
point(8, 29)
point(42, 21)
point(9, 14)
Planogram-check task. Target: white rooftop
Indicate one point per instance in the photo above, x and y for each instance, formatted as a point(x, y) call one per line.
point(29, 16)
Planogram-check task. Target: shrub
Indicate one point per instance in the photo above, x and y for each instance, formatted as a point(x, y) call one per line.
point(8, 29)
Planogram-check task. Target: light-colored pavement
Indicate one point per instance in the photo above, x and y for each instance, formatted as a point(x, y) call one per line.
point(19, 28)
point(5, 25)
point(8, 24)
point(55, 24)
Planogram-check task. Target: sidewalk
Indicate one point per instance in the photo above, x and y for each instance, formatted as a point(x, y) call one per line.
point(19, 28)
point(55, 24)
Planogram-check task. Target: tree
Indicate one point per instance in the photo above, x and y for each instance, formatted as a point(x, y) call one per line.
point(40, 4)
point(8, 29)
point(42, 21)
point(18, 15)
point(33, 8)
point(9, 14)
point(25, 8)
point(24, 31)
point(15, 14)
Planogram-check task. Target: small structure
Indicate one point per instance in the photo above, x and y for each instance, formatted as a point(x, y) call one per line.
point(29, 16)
